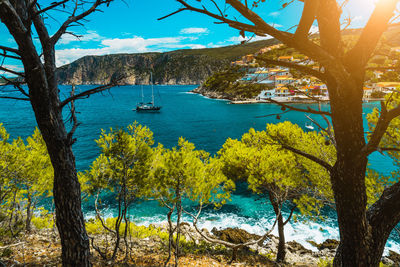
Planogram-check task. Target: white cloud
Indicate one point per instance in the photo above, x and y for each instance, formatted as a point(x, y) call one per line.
point(314, 29)
point(87, 37)
point(357, 18)
point(234, 40)
point(274, 14)
point(194, 30)
point(16, 68)
point(238, 39)
point(135, 44)
point(275, 25)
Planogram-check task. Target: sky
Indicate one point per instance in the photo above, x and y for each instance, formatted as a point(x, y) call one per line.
point(131, 26)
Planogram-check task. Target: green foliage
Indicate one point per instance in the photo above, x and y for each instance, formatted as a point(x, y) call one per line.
point(226, 82)
point(183, 173)
point(389, 76)
point(193, 173)
point(378, 94)
point(44, 220)
point(124, 162)
point(389, 140)
point(94, 227)
point(122, 169)
point(325, 262)
point(26, 176)
point(259, 158)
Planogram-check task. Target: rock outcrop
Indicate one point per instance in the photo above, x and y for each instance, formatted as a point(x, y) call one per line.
point(185, 67)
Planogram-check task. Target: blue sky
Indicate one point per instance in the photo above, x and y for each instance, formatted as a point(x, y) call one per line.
point(132, 27)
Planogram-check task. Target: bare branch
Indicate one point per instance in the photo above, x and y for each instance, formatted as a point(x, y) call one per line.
point(52, 6)
point(173, 13)
point(74, 120)
point(225, 243)
point(308, 110)
point(9, 56)
point(88, 93)
point(307, 19)
point(290, 215)
point(15, 98)
point(380, 129)
point(12, 71)
point(321, 162)
point(75, 18)
point(9, 49)
point(359, 55)
point(301, 68)
point(16, 84)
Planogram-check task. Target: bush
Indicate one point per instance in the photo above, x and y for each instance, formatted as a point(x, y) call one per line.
point(43, 221)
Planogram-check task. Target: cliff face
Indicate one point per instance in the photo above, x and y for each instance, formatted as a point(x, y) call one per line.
point(167, 68)
point(191, 66)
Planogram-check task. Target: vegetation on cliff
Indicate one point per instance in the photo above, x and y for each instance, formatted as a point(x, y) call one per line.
point(224, 84)
point(191, 66)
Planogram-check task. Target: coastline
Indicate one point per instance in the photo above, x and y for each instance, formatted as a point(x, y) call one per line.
point(239, 101)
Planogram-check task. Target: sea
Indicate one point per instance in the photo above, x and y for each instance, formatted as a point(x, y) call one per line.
point(205, 122)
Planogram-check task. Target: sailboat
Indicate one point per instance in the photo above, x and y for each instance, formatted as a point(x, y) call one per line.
point(141, 106)
point(309, 126)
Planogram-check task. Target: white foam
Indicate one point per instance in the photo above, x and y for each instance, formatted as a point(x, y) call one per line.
point(300, 232)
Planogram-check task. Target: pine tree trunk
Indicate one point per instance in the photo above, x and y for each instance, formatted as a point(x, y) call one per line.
point(353, 224)
point(178, 230)
point(66, 189)
point(29, 208)
point(69, 217)
point(170, 235)
point(348, 175)
point(280, 255)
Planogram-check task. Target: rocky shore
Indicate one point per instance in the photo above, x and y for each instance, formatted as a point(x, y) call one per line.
point(43, 248)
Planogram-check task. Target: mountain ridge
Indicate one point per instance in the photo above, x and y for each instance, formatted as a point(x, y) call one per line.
point(185, 66)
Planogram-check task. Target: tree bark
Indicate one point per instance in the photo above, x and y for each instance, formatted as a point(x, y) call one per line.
point(29, 208)
point(170, 235)
point(66, 190)
point(178, 221)
point(348, 174)
point(280, 255)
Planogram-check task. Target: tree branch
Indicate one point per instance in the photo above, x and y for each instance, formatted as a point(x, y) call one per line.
point(54, 39)
point(308, 110)
point(17, 85)
point(15, 98)
point(307, 19)
point(52, 6)
point(225, 243)
point(231, 23)
point(9, 49)
point(301, 68)
point(290, 215)
point(74, 120)
point(88, 93)
point(321, 162)
point(21, 74)
point(359, 55)
point(9, 56)
point(380, 129)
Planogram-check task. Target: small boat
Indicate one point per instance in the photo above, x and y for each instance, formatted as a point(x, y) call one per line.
point(309, 126)
point(148, 107)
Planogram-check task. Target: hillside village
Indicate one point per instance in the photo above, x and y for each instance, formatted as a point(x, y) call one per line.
point(281, 85)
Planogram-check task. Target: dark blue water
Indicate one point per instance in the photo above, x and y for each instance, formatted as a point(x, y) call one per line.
point(205, 122)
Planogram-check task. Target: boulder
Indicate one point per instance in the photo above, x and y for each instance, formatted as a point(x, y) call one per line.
point(330, 244)
point(297, 248)
point(234, 235)
point(395, 257)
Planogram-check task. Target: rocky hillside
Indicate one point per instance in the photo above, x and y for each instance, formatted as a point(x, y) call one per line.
point(176, 67)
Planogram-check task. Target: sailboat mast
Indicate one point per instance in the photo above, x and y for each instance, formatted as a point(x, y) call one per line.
point(152, 89)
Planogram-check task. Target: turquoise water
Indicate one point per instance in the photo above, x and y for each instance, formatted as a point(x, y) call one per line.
point(205, 122)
